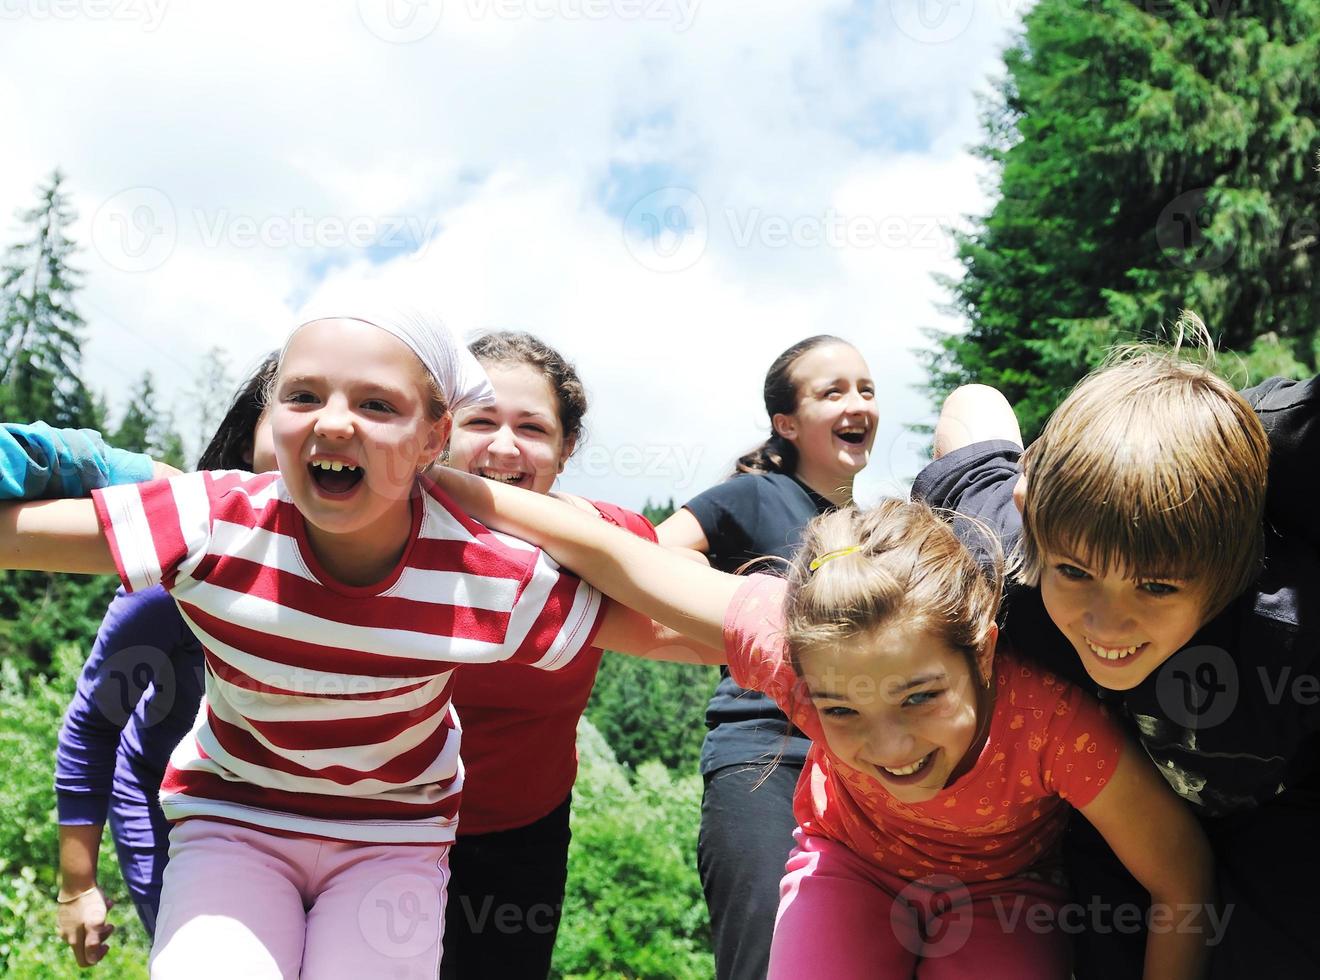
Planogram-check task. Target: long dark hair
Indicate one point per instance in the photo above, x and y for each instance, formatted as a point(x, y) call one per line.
point(231, 446)
point(777, 454)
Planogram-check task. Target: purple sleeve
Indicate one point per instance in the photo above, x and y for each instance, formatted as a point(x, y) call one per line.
point(137, 637)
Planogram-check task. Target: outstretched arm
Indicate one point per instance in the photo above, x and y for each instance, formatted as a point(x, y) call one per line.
point(677, 593)
point(1167, 852)
point(39, 461)
point(54, 536)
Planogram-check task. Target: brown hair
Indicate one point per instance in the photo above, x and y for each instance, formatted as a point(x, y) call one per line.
point(1153, 467)
point(516, 347)
point(777, 454)
point(910, 566)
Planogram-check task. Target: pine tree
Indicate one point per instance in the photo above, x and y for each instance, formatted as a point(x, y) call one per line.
point(40, 330)
point(146, 429)
point(213, 387)
point(1150, 158)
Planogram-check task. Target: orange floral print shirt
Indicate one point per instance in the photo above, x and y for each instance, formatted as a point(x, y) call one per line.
point(1049, 745)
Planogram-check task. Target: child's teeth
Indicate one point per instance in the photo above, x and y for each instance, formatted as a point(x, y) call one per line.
point(1115, 654)
point(907, 770)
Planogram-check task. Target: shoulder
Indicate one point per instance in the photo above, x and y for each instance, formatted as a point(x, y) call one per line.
point(629, 520)
point(1029, 684)
point(1287, 592)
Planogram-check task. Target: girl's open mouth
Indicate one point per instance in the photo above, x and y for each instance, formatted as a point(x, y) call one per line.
point(854, 435)
point(910, 773)
point(523, 480)
point(335, 478)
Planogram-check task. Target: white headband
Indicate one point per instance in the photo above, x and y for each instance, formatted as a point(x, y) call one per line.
point(459, 375)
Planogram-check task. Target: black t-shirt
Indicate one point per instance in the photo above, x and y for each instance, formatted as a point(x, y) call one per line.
point(1233, 718)
point(748, 517)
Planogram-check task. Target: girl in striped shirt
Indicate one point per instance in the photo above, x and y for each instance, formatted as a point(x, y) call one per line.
point(317, 794)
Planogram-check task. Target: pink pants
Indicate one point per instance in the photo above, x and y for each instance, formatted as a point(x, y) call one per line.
point(842, 917)
point(237, 902)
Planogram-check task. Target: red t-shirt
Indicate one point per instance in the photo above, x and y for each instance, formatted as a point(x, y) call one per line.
point(327, 710)
point(1048, 743)
point(520, 727)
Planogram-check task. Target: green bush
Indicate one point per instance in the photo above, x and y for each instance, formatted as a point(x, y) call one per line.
point(634, 906)
point(31, 708)
point(648, 710)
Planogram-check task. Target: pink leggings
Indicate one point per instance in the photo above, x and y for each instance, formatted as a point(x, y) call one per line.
point(238, 902)
point(842, 917)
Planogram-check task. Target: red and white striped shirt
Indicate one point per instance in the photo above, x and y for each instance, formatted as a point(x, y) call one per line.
point(327, 707)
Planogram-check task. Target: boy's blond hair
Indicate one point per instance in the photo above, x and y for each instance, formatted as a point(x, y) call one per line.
point(896, 562)
point(1153, 467)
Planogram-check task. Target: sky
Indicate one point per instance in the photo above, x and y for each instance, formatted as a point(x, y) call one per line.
point(671, 192)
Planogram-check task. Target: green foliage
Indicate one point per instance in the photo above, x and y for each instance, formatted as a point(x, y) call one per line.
point(31, 709)
point(648, 710)
point(145, 428)
point(633, 906)
point(40, 331)
point(40, 613)
point(1149, 159)
point(659, 512)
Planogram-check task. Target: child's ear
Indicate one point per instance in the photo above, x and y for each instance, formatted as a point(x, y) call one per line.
point(785, 426)
point(437, 437)
point(985, 657)
point(569, 445)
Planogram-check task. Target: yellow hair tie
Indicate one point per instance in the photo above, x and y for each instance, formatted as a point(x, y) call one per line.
point(831, 555)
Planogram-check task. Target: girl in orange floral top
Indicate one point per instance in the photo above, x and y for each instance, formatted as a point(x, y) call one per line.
point(937, 787)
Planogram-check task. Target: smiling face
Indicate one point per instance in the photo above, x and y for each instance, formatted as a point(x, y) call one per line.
point(899, 704)
point(1122, 628)
point(351, 431)
point(833, 426)
point(519, 440)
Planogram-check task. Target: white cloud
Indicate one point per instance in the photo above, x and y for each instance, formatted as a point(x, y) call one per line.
point(509, 141)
